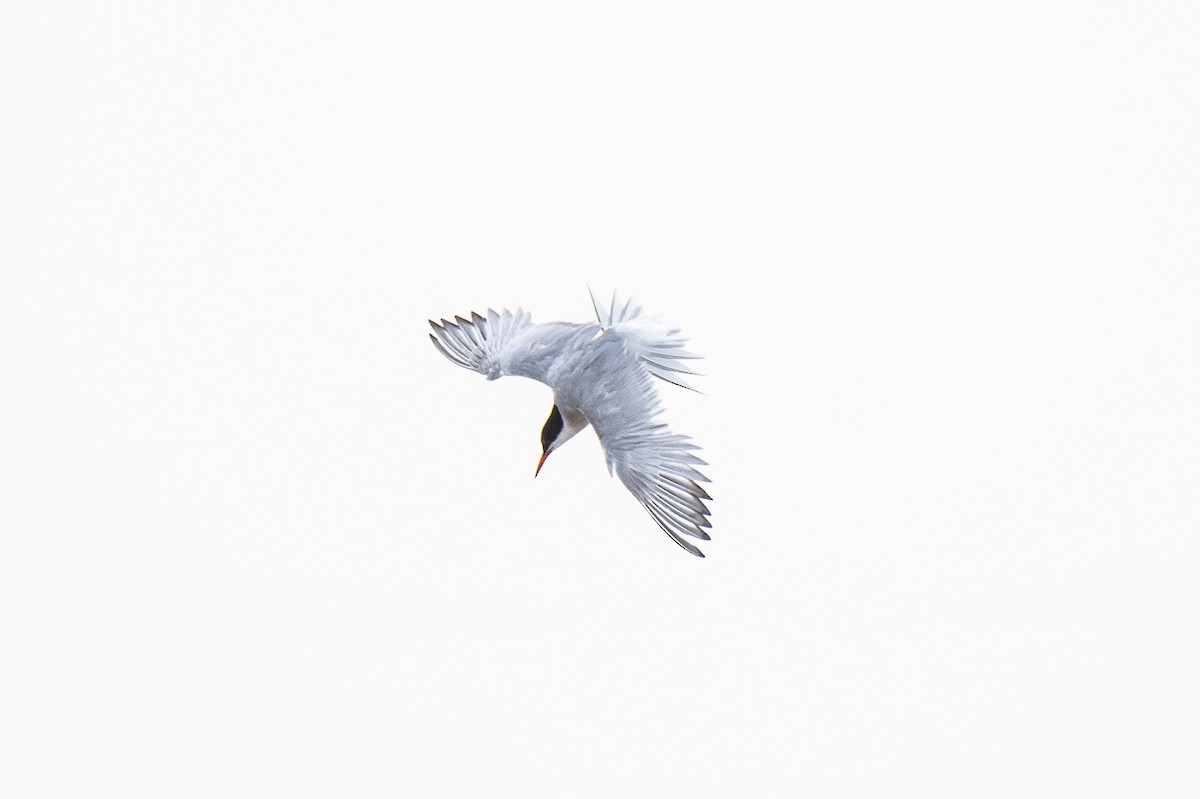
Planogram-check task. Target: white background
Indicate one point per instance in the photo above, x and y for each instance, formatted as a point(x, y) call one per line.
point(261, 540)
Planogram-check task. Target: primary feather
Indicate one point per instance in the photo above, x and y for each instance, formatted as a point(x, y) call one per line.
point(479, 343)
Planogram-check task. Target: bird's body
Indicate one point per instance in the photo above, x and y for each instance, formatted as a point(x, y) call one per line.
point(601, 374)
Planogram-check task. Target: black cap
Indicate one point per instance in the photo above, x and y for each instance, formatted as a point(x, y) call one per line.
point(553, 427)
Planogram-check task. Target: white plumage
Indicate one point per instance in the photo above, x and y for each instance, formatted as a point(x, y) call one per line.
point(601, 375)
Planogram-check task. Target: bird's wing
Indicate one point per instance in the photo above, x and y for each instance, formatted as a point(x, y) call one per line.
point(657, 466)
point(658, 345)
point(480, 343)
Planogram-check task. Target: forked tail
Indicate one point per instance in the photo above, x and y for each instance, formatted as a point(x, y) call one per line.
point(659, 345)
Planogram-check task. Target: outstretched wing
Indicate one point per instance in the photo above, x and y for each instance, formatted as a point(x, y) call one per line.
point(657, 466)
point(480, 343)
point(659, 346)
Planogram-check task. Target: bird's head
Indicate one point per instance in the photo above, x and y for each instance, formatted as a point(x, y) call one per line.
point(556, 431)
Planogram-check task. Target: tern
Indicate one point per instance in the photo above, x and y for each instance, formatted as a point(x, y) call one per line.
point(601, 374)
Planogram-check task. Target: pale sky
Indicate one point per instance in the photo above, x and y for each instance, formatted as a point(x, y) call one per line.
point(259, 538)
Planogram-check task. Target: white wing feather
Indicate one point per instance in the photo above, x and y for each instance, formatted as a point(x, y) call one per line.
point(657, 466)
point(478, 343)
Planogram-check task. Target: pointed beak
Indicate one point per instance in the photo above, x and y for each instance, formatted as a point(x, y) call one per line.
point(545, 454)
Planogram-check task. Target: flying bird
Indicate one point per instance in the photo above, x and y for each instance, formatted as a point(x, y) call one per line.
point(602, 375)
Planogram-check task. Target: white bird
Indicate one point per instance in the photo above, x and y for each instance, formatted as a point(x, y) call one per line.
point(600, 375)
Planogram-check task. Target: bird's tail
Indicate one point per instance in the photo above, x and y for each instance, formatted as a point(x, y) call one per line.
point(660, 346)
